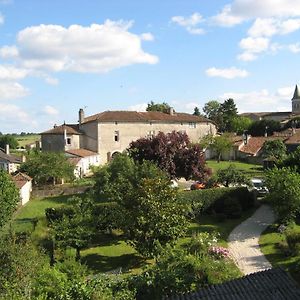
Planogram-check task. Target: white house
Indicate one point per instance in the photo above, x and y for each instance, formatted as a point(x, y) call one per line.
point(8, 162)
point(83, 159)
point(24, 184)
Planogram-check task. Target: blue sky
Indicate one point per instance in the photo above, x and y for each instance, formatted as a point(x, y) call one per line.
point(58, 56)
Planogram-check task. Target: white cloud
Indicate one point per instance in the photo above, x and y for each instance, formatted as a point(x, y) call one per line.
point(9, 52)
point(262, 100)
point(254, 45)
point(9, 113)
point(147, 36)
point(247, 56)
point(138, 107)
point(97, 48)
point(12, 73)
point(51, 80)
point(190, 23)
point(12, 90)
point(226, 18)
point(50, 110)
point(229, 73)
point(295, 48)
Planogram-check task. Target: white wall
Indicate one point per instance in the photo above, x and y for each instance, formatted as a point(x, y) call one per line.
point(25, 192)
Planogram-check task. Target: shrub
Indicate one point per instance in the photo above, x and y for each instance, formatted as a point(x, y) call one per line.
point(57, 214)
point(209, 200)
point(293, 241)
point(232, 208)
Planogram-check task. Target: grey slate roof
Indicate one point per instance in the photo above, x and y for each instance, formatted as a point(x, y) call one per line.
point(265, 285)
point(9, 158)
point(296, 93)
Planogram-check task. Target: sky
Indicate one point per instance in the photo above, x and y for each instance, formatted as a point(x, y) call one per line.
point(57, 56)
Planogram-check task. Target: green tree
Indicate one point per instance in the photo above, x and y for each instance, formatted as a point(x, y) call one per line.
point(221, 144)
point(229, 113)
point(274, 148)
point(162, 107)
point(231, 176)
point(240, 124)
point(76, 229)
point(9, 197)
point(8, 139)
point(151, 213)
point(46, 166)
point(212, 111)
point(292, 160)
point(284, 187)
point(260, 128)
point(196, 112)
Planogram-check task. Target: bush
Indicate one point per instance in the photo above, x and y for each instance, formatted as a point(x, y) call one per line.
point(57, 214)
point(232, 208)
point(212, 200)
point(293, 241)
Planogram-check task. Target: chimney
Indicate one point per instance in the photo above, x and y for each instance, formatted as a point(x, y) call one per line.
point(7, 149)
point(171, 111)
point(81, 116)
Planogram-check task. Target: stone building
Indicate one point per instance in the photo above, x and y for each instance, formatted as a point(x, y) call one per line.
point(111, 132)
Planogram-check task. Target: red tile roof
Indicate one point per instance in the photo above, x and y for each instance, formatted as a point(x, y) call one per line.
point(70, 129)
point(81, 152)
point(152, 116)
point(21, 179)
point(294, 139)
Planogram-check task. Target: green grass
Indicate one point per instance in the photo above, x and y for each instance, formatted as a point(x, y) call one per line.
point(271, 244)
point(249, 169)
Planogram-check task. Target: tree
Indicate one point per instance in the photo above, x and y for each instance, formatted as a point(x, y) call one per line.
point(8, 139)
point(229, 112)
point(197, 112)
point(221, 144)
point(162, 107)
point(212, 111)
point(292, 160)
point(9, 197)
point(46, 166)
point(274, 148)
point(284, 187)
point(260, 128)
point(231, 176)
point(172, 152)
point(151, 213)
point(240, 124)
point(75, 230)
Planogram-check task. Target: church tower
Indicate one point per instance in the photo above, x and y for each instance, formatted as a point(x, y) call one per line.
point(296, 101)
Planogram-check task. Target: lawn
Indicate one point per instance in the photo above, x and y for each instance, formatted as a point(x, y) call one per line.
point(249, 169)
point(271, 242)
point(108, 253)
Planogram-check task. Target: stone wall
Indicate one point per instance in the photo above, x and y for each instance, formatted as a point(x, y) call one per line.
point(57, 191)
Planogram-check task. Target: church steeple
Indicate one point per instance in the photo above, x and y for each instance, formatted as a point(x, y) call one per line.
point(296, 93)
point(296, 101)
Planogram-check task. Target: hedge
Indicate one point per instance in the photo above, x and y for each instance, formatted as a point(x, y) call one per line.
point(215, 200)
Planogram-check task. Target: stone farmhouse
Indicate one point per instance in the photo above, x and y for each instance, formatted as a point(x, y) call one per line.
point(97, 138)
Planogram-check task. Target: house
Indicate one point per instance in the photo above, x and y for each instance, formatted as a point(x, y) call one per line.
point(269, 284)
point(83, 159)
point(8, 162)
point(24, 184)
point(111, 132)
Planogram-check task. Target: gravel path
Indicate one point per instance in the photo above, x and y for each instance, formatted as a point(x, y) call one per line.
point(243, 241)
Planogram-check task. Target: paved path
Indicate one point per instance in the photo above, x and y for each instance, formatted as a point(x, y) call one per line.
point(243, 241)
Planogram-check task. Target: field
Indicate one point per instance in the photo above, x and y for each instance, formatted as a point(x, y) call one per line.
point(106, 252)
point(249, 169)
point(27, 139)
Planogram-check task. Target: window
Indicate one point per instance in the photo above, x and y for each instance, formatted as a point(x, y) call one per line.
point(151, 134)
point(117, 136)
point(192, 125)
point(68, 141)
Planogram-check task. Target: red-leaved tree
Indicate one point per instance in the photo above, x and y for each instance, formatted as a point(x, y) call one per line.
point(172, 152)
